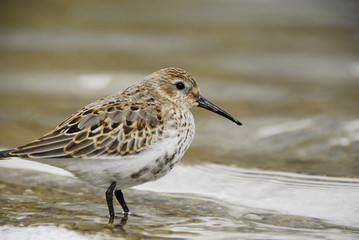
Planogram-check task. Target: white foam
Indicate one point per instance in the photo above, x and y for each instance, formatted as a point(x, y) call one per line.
point(94, 81)
point(341, 141)
point(269, 131)
point(352, 125)
point(39, 233)
point(354, 69)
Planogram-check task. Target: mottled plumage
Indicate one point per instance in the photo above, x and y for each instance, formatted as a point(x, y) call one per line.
point(128, 138)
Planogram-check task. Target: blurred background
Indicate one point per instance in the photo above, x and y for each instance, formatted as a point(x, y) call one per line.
point(287, 69)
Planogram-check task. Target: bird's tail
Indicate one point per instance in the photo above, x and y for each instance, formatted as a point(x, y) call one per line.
point(5, 154)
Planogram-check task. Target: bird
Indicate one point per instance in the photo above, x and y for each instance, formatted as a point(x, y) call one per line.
point(129, 138)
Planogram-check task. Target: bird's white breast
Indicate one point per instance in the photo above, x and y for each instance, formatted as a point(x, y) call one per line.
point(147, 165)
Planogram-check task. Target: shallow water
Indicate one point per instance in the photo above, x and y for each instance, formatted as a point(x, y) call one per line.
point(289, 70)
point(188, 203)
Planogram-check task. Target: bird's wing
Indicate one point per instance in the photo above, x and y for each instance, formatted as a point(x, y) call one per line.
point(113, 129)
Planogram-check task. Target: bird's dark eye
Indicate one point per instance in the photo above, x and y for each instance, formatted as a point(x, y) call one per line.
point(180, 85)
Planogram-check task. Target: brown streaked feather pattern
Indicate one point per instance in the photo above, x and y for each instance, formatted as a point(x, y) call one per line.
point(118, 127)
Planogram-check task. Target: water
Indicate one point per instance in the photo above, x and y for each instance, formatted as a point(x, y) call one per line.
point(188, 203)
point(289, 70)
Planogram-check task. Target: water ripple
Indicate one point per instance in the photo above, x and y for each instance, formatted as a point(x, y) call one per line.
point(328, 198)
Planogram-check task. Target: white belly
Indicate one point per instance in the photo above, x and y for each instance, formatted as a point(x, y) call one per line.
point(131, 170)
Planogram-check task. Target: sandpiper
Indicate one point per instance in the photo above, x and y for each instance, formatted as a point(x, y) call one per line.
point(128, 138)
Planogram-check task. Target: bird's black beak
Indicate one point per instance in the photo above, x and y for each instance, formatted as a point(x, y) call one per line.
point(204, 103)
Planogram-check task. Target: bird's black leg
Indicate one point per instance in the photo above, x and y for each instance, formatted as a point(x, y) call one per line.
point(121, 200)
point(109, 199)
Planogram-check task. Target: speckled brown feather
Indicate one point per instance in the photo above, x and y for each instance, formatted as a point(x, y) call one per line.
point(123, 124)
